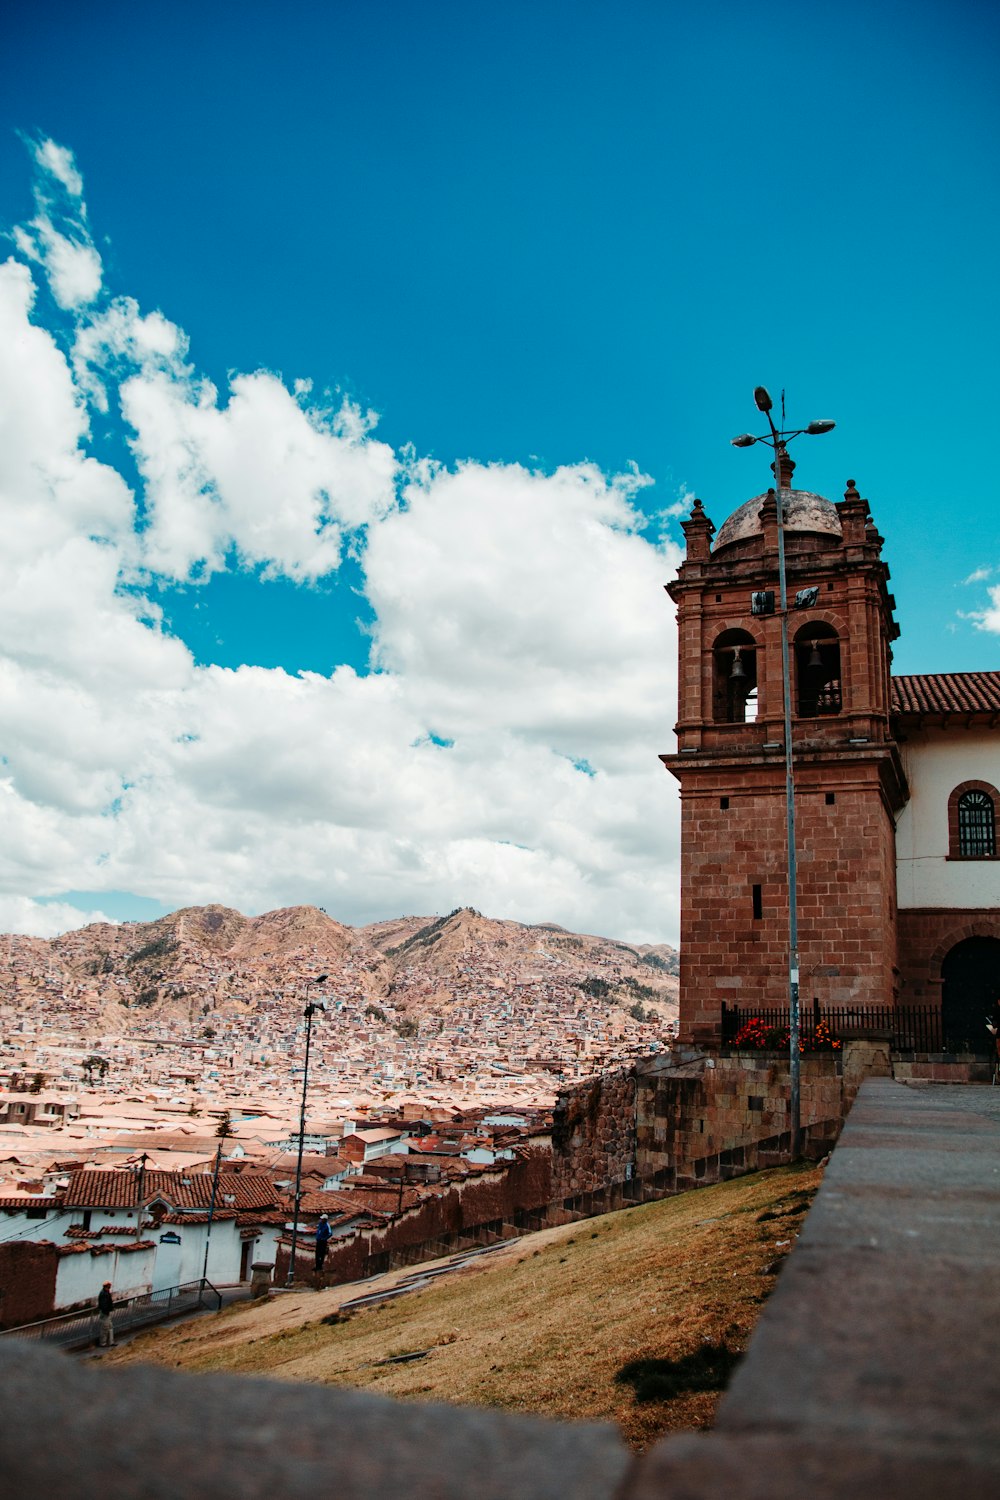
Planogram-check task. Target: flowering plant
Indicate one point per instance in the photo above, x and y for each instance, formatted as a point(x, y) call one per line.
point(757, 1035)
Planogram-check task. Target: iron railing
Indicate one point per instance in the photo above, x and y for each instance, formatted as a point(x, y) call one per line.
point(910, 1028)
point(75, 1330)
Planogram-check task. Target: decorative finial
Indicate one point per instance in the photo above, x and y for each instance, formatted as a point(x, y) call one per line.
point(851, 493)
point(783, 468)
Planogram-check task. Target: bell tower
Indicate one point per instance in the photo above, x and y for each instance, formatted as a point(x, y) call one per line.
point(730, 758)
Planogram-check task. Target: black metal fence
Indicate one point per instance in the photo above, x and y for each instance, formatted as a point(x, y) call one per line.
point(75, 1330)
point(910, 1028)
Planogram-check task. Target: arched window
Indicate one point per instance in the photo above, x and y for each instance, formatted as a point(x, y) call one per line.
point(972, 821)
point(734, 678)
point(817, 671)
point(977, 828)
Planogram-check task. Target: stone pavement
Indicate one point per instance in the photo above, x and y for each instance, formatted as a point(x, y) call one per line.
point(876, 1364)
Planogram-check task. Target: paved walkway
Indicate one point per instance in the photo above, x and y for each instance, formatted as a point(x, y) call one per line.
point(874, 1371)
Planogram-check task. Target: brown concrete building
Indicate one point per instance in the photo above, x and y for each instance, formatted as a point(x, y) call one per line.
point(895, 784)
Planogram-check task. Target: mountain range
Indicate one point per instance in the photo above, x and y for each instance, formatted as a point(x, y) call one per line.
point(416, 965)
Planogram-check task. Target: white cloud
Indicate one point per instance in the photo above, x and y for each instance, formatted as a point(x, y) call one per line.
point(979, 575)
point(278, 481)
point(59, 162)
point(117, 340)
point(43, 919)
point(519, 616)
point(57, 238)
point(988, 618)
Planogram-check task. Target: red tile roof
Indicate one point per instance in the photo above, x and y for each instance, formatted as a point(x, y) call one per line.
point(191, 1218)
point(119, 1188)
point(947, 693)
point(78, 1232)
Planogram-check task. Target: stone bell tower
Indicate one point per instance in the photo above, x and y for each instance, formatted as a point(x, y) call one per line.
point(730, 758)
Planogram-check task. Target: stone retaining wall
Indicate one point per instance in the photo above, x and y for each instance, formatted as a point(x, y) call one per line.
point(688, 1117)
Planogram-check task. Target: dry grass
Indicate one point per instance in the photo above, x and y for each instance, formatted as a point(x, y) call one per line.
point(546, 1326)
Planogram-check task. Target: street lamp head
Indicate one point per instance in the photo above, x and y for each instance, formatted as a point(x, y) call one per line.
point(761, 397)
point(320, 979)
point(745, 440)
point(815, 428)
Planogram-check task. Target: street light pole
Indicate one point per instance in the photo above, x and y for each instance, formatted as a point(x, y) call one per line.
point(211, 1211)
point(778, 442)
point(311, 1008)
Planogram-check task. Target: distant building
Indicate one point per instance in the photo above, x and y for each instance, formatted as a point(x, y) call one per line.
point(52, 1110)
point(896, 784)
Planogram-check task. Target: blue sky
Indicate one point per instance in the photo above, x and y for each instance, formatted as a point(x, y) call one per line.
point(530, 238)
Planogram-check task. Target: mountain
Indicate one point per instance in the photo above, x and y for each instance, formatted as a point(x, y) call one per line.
point(213, 958)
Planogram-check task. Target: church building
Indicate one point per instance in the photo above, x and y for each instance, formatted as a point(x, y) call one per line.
point(897, 787)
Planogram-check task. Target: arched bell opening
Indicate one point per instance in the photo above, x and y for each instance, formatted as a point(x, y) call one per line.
point(817, 671)
point(734, 678)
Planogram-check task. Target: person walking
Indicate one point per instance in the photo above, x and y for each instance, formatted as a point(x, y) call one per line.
point(993, 1027)
point(105, 1308)
point(323, 1232)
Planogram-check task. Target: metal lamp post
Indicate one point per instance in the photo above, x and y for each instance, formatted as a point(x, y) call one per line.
point(311, 1008)
point(778, 442)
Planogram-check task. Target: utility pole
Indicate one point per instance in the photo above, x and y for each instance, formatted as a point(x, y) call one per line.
point(309, 1012)
point(211, 1216)
point(142, 1195)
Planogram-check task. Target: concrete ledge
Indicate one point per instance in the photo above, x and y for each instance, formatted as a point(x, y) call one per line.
point(117, 1434)
point(794, 1467)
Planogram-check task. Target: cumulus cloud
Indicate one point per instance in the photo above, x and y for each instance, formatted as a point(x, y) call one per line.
point(501, 750)
point(279, 482)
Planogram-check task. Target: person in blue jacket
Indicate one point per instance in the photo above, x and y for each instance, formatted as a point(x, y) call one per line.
point(323, 1232)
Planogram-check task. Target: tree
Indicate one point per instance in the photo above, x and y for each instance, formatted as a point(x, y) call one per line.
point(37, 1083)
point(93, 1064)
point(224, 1124)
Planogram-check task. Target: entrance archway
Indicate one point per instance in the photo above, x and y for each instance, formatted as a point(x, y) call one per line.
point(970, 977)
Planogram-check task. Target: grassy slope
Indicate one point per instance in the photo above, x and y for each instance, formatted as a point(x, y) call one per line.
point(545, 1326)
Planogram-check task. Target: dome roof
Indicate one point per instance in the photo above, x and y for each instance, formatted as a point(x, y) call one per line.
point(804, 511)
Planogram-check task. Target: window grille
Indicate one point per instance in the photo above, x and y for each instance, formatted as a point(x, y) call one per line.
point(977, 834)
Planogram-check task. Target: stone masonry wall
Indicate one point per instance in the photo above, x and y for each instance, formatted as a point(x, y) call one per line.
point(925, 938)
point(28, 1272)
point(733, 832)
point(594, 1134)
point(495, 1204)
point(686, 1118)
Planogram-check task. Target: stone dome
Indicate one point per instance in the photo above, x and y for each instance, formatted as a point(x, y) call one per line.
point(804, 511)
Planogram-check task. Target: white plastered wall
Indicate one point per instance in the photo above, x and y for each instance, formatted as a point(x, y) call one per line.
point(936, 761)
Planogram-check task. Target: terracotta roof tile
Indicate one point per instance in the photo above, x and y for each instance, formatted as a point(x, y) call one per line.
point(943, 693)
point(77, 1231)
point(198, 1218)
point(119, 1188)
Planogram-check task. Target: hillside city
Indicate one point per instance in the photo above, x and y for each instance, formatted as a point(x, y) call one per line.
point(168, 1051)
